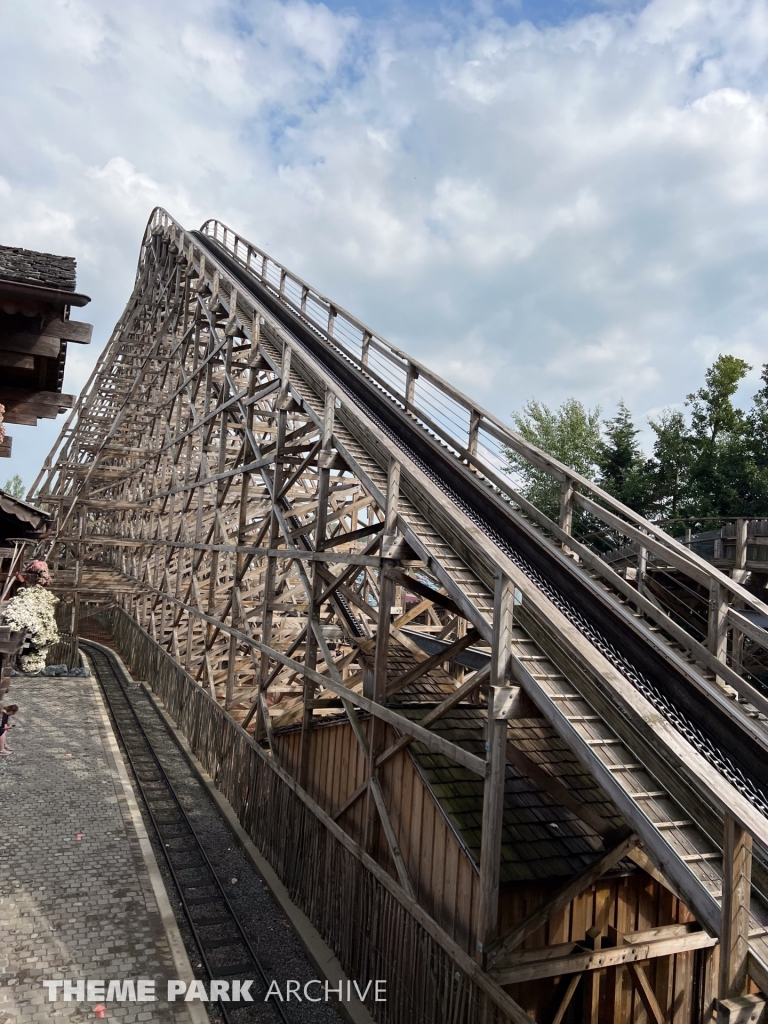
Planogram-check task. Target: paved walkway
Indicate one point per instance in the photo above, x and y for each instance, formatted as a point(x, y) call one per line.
point(76, 900)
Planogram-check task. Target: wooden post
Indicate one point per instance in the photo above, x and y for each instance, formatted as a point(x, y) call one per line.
point(642, 567)
point(230, 690)
point(387, 586)
point(718, 621)
point(590, 991)
point(734, 929)
point(740, 558)
point(474, 430)
point(739, 572)
point(313, 612)
point(410, 383)
point(274, 533)
point(566, 508)
point(493, 794)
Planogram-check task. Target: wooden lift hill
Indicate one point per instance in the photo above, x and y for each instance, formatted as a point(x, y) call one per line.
point(493, 764)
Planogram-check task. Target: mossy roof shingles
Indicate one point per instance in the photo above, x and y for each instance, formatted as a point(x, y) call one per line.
point(540, 838)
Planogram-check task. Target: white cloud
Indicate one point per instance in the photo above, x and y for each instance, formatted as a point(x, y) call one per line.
point(578, 209)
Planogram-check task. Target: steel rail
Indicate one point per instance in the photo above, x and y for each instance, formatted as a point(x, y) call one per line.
point(102, 661)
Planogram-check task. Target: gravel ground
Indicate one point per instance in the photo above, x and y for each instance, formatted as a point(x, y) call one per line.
point(271, 935)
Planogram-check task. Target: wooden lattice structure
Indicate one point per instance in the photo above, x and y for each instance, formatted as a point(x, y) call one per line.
point(483, 718)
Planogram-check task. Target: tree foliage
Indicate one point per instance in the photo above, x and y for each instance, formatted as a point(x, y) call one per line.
point(709, 460)
point(570, 433)
point(15, 486)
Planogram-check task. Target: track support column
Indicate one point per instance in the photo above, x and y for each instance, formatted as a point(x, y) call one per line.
point(496, 741)
point(313, 613)
point(387, 588)
point(734, 930)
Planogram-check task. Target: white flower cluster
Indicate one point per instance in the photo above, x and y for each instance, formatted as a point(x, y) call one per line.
point(31, 610)
point(33, 662)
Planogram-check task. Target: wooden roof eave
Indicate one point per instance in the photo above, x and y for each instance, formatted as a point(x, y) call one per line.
point(31, 293)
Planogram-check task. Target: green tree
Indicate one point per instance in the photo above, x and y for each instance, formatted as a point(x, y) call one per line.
point(570, 433)
point(671, 465)
point(713, 412)
point(624, 472)
point(15, 486)
point(721, 480)
point(757, 439)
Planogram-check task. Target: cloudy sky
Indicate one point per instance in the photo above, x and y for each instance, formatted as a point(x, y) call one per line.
point(537, 197)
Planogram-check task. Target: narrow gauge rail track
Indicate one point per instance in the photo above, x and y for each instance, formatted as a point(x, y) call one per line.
point(201, 892)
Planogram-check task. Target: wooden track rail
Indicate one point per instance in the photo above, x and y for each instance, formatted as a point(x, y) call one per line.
point(264, 496)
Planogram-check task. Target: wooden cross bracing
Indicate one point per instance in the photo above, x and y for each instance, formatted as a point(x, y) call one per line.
point(222, 487)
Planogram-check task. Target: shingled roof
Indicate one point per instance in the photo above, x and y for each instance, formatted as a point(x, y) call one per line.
point(41, 268)
point(540, 839)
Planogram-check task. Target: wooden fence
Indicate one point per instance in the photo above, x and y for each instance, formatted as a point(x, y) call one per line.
point(372, 926)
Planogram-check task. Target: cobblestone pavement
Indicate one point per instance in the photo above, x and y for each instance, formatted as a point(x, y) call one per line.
point(75, 898)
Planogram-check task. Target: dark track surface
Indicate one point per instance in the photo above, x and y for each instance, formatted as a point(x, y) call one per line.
point(230, 925)
point(720, 740)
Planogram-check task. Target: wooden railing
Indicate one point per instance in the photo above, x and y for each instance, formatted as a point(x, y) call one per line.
point(372, 925)
point(482, 442)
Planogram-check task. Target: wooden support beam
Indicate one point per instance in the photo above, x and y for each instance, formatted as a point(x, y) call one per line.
point(737, 891)
point(646, 993)
point(316, 586)
point(493, 793)
point(590, 992)
point(415, 587)
point(570, 990)
point(69, 330)
point(746, 1010)
point(718, 620)
point(577, 957)
point(561, 898)
point(423, 667)
point(567, 488)
point(381, 655)
point(389, 832)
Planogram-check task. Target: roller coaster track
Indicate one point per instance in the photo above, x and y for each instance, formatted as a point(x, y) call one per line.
point(221, 344)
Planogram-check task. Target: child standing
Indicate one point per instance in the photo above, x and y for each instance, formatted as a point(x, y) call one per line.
point(5, 725)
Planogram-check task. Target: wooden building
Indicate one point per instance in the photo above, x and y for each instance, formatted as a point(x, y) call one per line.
point(37, 292)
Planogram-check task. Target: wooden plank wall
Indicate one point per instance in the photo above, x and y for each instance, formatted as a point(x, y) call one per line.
point(627, 903)
point(446, 884)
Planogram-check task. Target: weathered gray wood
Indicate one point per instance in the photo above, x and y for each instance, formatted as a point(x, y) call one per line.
point(530, 969)
point(17, 360)
point(434, 661)
point(493, 792)
point(737, 892)
point(69, 330)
